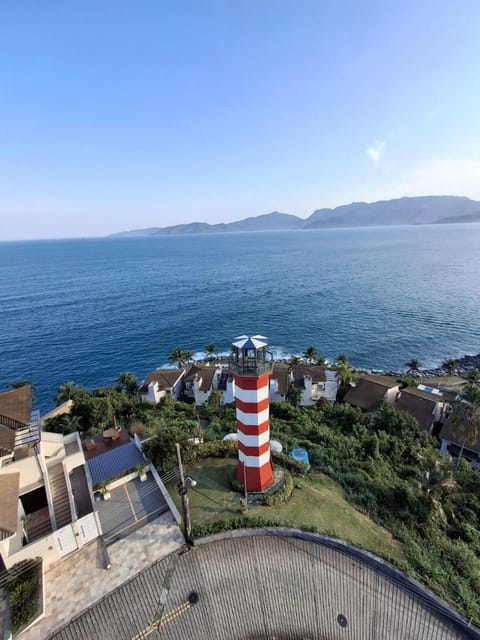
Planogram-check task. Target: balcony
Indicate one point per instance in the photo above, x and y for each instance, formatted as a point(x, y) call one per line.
point(28, 434)
point(250, 366)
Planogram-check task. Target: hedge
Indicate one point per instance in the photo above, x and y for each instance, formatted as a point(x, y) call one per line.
point(283, 495)
point(295, 467)
point(228, 524)
point(217, 449)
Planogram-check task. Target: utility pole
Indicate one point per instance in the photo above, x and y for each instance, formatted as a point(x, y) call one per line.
point(182, 491)
point(245, 486)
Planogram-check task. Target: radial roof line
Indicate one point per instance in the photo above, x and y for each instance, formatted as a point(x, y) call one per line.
point(244, 342)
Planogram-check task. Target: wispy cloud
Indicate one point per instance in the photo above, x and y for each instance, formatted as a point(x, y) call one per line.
point(375, 150)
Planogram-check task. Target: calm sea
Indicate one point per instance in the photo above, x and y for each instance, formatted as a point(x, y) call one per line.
point(86, 310)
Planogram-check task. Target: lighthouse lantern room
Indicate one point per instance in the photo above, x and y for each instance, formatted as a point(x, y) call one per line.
point(251, 366)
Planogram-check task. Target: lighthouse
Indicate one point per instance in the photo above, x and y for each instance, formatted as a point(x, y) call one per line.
point(251, 366)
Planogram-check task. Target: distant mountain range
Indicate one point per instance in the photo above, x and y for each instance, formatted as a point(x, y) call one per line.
point(402, 211)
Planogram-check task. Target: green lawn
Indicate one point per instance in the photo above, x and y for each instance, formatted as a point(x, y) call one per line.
point(319, 504)
point(452, 383)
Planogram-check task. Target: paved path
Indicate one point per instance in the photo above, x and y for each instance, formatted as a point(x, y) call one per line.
point(81, 579)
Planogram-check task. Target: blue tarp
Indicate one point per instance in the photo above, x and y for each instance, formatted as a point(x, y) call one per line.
point(300, 454)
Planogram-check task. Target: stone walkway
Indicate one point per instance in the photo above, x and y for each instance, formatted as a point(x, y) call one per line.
point(81, 579)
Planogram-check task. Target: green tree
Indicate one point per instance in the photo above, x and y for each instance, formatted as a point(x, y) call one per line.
point(180, 357)
point(471, 393)
point(64, 424)
point(127, 382)
point(473, 376)
point(211, 349)
point(450, 365)
point(294, 395)
point(341, 358)
point(293, 361)
point(436, 483)
point(161, 448)
point(310, 354)
point(413, 366)
point(465, 424)
point(66, 391)
point(320, 360)
point(345, 375)
point(407, 382)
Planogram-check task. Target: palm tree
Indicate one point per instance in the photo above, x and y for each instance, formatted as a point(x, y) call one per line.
point(450, 365)
point(179, 357)
point(341, 358)
point(465, 424)
point(413, 366)
point(293, 361)
point(187, 357)
point(320, 360)
point(436, 485)
point(65, 391)
point(310, 354)
point(128, 382)
point(345, 375)
point(211, 349)
point(345, 372)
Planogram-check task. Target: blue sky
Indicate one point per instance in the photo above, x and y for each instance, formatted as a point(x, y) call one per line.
point(121, 115)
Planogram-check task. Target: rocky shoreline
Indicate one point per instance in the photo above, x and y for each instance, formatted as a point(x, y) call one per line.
point(463, 364)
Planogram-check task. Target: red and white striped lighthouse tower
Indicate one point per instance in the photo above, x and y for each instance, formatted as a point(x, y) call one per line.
point(251, 366)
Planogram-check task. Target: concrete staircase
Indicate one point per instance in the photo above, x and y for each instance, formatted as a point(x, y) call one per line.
point(59, 493)
point(39, 524)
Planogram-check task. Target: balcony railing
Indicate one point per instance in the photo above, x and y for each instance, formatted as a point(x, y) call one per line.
point(250, 367)
point(29, 435)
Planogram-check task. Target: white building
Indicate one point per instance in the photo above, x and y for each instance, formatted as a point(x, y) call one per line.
point(315, 382)
point(46, 504)
point(200, 381)
point(161, 383)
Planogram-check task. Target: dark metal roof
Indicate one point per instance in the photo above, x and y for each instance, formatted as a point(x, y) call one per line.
point(165, 378)
point(310, 580)
point(315, 371)
point(107, 465)
point(205, 373)
point(367, 395)
point(421, 408)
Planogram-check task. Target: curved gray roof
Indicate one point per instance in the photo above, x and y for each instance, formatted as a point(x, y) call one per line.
point(260, 584)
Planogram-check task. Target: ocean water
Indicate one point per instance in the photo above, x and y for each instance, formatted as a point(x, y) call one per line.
point(87, 310)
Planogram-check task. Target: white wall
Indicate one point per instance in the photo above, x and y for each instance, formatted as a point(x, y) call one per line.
point(228, 396)
point(45, 547)
point(391, 394)
point(30, 473)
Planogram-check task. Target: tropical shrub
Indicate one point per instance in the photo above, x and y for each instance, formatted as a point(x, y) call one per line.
point(23, 585)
